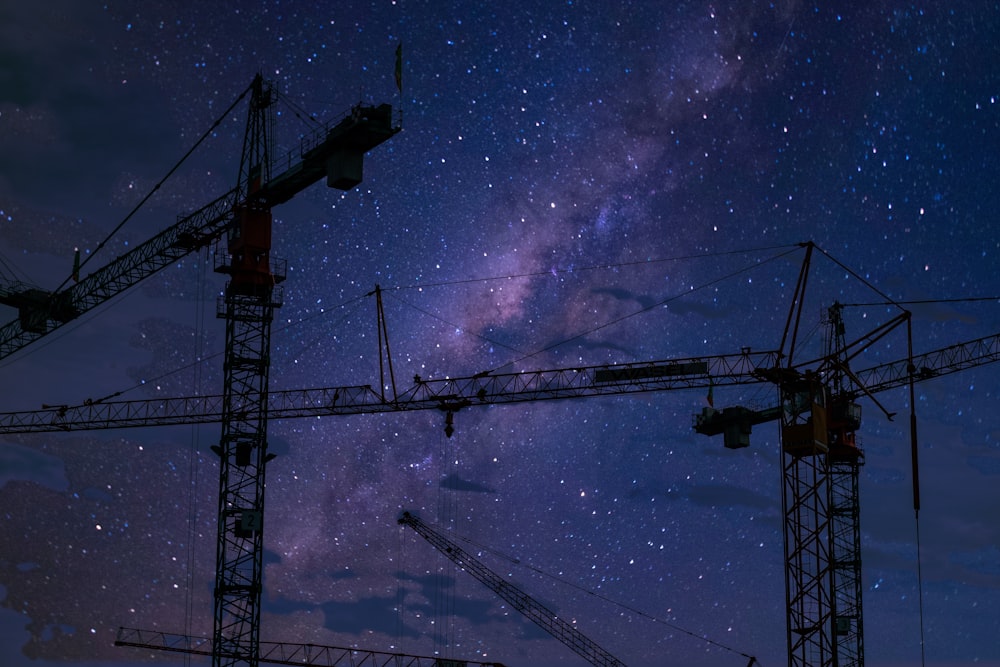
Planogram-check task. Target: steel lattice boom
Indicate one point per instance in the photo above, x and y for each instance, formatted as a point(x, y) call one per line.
point(287, 653)
point(40, 312)
point(538, 613)
point(492, 389)
point(449, 394)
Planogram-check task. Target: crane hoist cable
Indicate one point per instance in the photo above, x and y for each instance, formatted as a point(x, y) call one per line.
point(194, 462)
point(914, 449)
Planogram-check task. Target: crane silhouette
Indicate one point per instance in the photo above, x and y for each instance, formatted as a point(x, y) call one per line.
point(289, 653)
point(838, 525)
point(239, 223)
point(531, 608)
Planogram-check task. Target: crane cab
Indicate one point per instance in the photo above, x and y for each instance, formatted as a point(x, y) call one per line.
point(804, 417)
point(845, 420)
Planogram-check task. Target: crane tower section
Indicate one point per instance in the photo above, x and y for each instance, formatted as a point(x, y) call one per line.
point(251, 295)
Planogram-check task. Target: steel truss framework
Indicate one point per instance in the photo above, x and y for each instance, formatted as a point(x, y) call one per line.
point(248, 308)
point(845, 545)
point(288, 653)
point(535, 611)
point(435, 394)
point(819, 492)
point(481, 389)
point(243, 453)
point(805, 502)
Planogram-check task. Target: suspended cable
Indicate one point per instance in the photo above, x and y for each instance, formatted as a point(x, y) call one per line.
point(10, 272)
point(199, 361)
point(920, 592)
point(630, 609)
point(914, 462)
point(597, 267)
point(524, 355)
point(400, 592)
point(156, 187)
point(457, 327)
point(193, 459)
point(447, 504)
point(298, 111)
point(92, 313)
point(654, 306)
point(859, 278)
point(357, 302)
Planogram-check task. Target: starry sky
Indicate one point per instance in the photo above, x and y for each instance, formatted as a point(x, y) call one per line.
point(576, 182)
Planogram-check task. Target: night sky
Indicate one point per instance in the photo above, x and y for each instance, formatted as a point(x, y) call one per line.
point(575, 183)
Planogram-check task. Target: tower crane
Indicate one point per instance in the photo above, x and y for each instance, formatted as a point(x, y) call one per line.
point(243, 217)
point(813, 433)
point(287, 653)
point(534, 610)
point(483, 389)
point(693, 373)
point(333, 151)
point(819, 416)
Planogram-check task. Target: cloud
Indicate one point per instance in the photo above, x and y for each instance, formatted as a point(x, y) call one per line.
point(55, 106)
point(456, 483)
point(646, 301)
point(710, 495)
point(18, 463)
point(371, 614)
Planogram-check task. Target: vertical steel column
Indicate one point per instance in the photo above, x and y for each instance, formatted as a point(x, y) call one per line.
point(846, 545)
point(844, 461)
point(805, 502)
point(243, 452)
point(248, 306)
point(809, 603)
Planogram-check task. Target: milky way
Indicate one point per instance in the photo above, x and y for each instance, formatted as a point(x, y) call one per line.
point(575, 183)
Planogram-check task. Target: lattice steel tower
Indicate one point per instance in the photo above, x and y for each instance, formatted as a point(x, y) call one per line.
point(820, 466)
point(248, 304)
point(844, 461)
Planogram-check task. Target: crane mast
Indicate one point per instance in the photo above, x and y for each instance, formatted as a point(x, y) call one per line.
point(251, 295)
point(819, 500)
point(248, 304)
point(844, 460)
point(538, 613)
point(333, 151)
point(822, 542)
point(243, 217)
